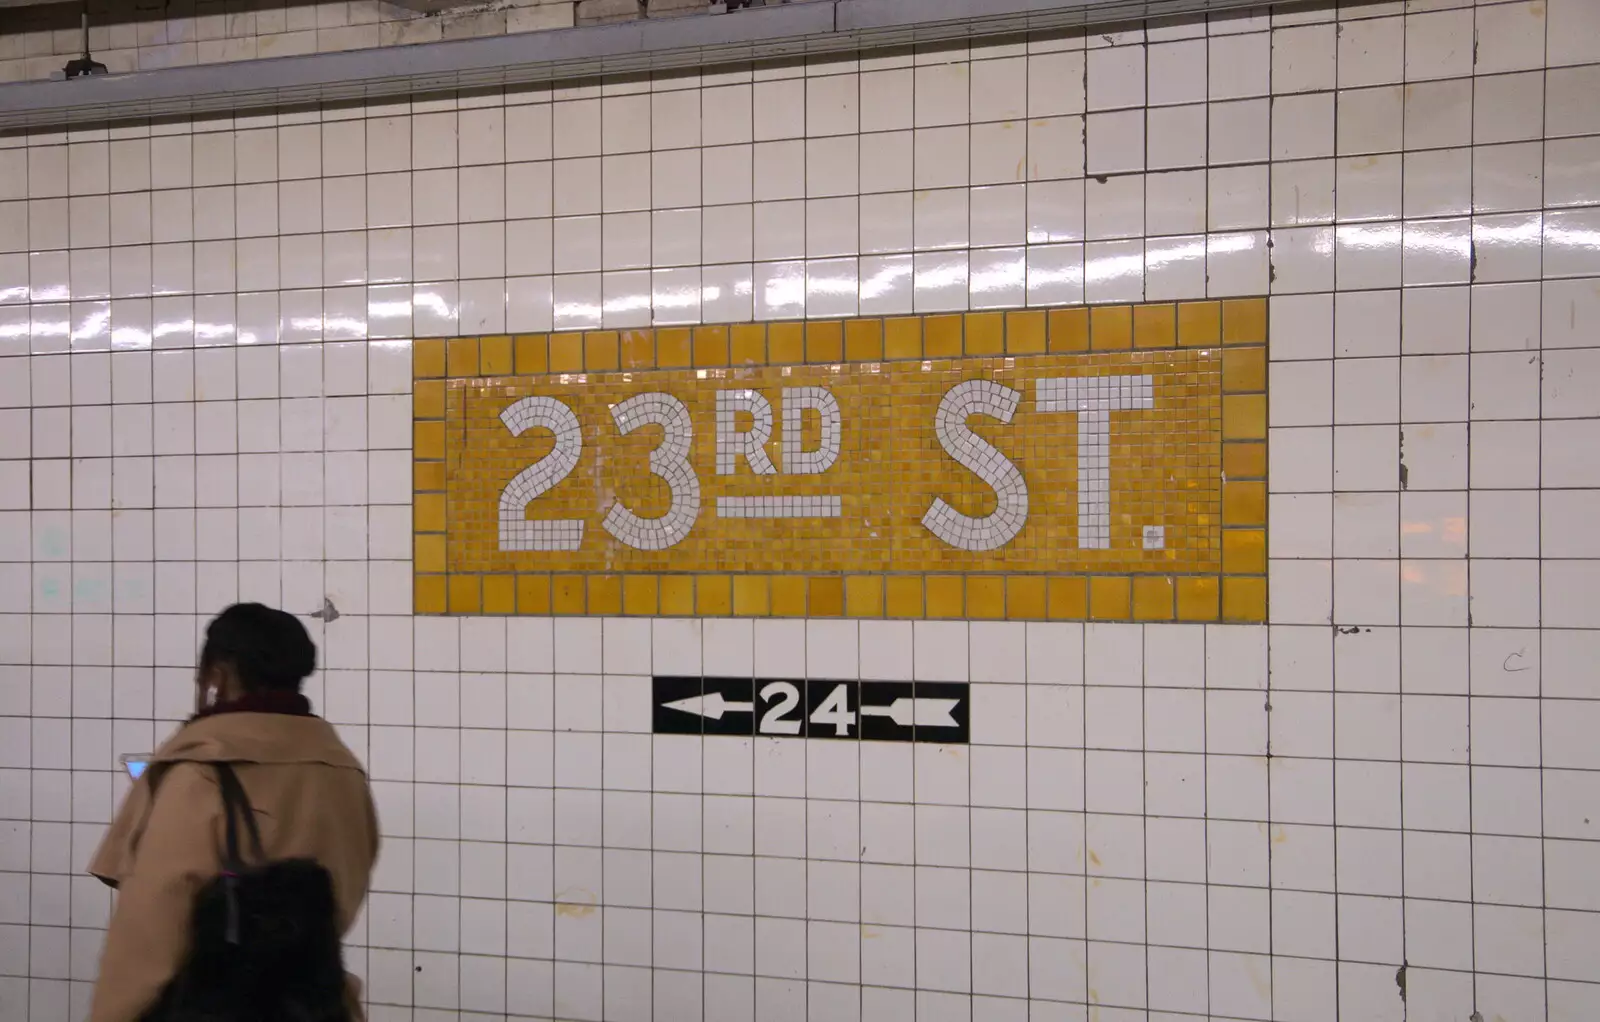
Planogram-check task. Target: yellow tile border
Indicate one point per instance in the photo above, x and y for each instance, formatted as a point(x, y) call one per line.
point(1075, 329)
point(1238, 592)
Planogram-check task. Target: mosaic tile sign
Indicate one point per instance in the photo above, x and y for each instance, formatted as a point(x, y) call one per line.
point(1099, 463)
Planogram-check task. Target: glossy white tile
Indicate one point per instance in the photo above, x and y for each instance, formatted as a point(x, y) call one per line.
point(1369, 120)
point(1507, 108)
point(1441, 44)
point(779, 230)
point(1238, 131)
point(625, 296)
point(1113, 271)
point(1302, 260)
point(1175, 136)
point(1369, 256)
point(1055, 148)
point(779, 290)
point(578, 301)
point(832, 287)
point(1302, 126)
point(1175, 202)
point(1114, 207)
point(998, 278)
point(1438, 114)
point(1437, 251)
point(940, 219)
point(1438, 183)
point(1116, 77)
point(1114, 141)
point(1237, 263)
point(1571, 243)
point(1175, 267)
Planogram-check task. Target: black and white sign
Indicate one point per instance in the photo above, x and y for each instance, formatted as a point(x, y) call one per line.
point(890, 711)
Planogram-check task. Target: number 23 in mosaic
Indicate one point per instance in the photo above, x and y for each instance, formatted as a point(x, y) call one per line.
point(1102, 463)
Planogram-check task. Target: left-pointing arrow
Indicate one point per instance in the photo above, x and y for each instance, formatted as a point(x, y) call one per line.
point(710, 705)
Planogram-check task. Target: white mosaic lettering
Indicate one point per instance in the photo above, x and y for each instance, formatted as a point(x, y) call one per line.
point(516, 531)
point(670, 461)
point(1093, 399)
point(996, 529)
point(733, 442)
point(779, 507)
point(795, 401)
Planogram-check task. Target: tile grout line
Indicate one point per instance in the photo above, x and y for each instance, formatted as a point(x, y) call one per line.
point(1471, 836)
point(1205, 642)
point(1272, 228)
point(1400, 532)
point(1333, 587)
point(1539, 620)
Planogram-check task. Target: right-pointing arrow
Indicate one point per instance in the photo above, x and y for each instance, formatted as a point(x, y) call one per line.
point(907, 711)
point(710, 705)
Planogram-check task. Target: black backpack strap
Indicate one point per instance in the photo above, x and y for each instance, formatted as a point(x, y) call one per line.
point(236, 806)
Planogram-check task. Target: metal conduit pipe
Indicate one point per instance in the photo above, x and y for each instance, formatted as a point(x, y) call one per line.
point(788, 31)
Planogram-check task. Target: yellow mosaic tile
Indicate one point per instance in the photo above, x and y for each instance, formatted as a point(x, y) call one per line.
point(713, 596)
point(567, 594)
point(1068, 330)
point(1154, 326)
point(863, 595)
point(1152, 598)
point(902, 338)
point(499, 594)
point(496, 356)
point(639, 594)
point(941, 466)
point(532, 353)
point(1025, 332)
point(751, 596)
point(429, 595)
point(638, 349)
point(749, 345)
point(1199, 324)
point(1025, 597)
point(905, 595)
point(677, 595)
point(863, 340)
point(986, 596)
point(465, 594)
point(1068, 598)
point(788, 595)
point(533, 593)
point(428, 359)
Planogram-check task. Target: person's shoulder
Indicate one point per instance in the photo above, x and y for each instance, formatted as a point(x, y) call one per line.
point(261, 738)
point(184, 786)
point(324, 744)
point(183, 775)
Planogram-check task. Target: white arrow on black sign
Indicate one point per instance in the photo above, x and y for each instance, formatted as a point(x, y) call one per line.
point(909, 711)
point(709, 705)
point(894, 711)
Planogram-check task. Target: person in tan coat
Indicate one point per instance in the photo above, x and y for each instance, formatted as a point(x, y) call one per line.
point(310, 795)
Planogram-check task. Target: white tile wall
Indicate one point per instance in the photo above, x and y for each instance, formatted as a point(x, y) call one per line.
point(204, 396)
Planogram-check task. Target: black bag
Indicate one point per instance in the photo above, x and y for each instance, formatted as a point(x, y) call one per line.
point(264, 937)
